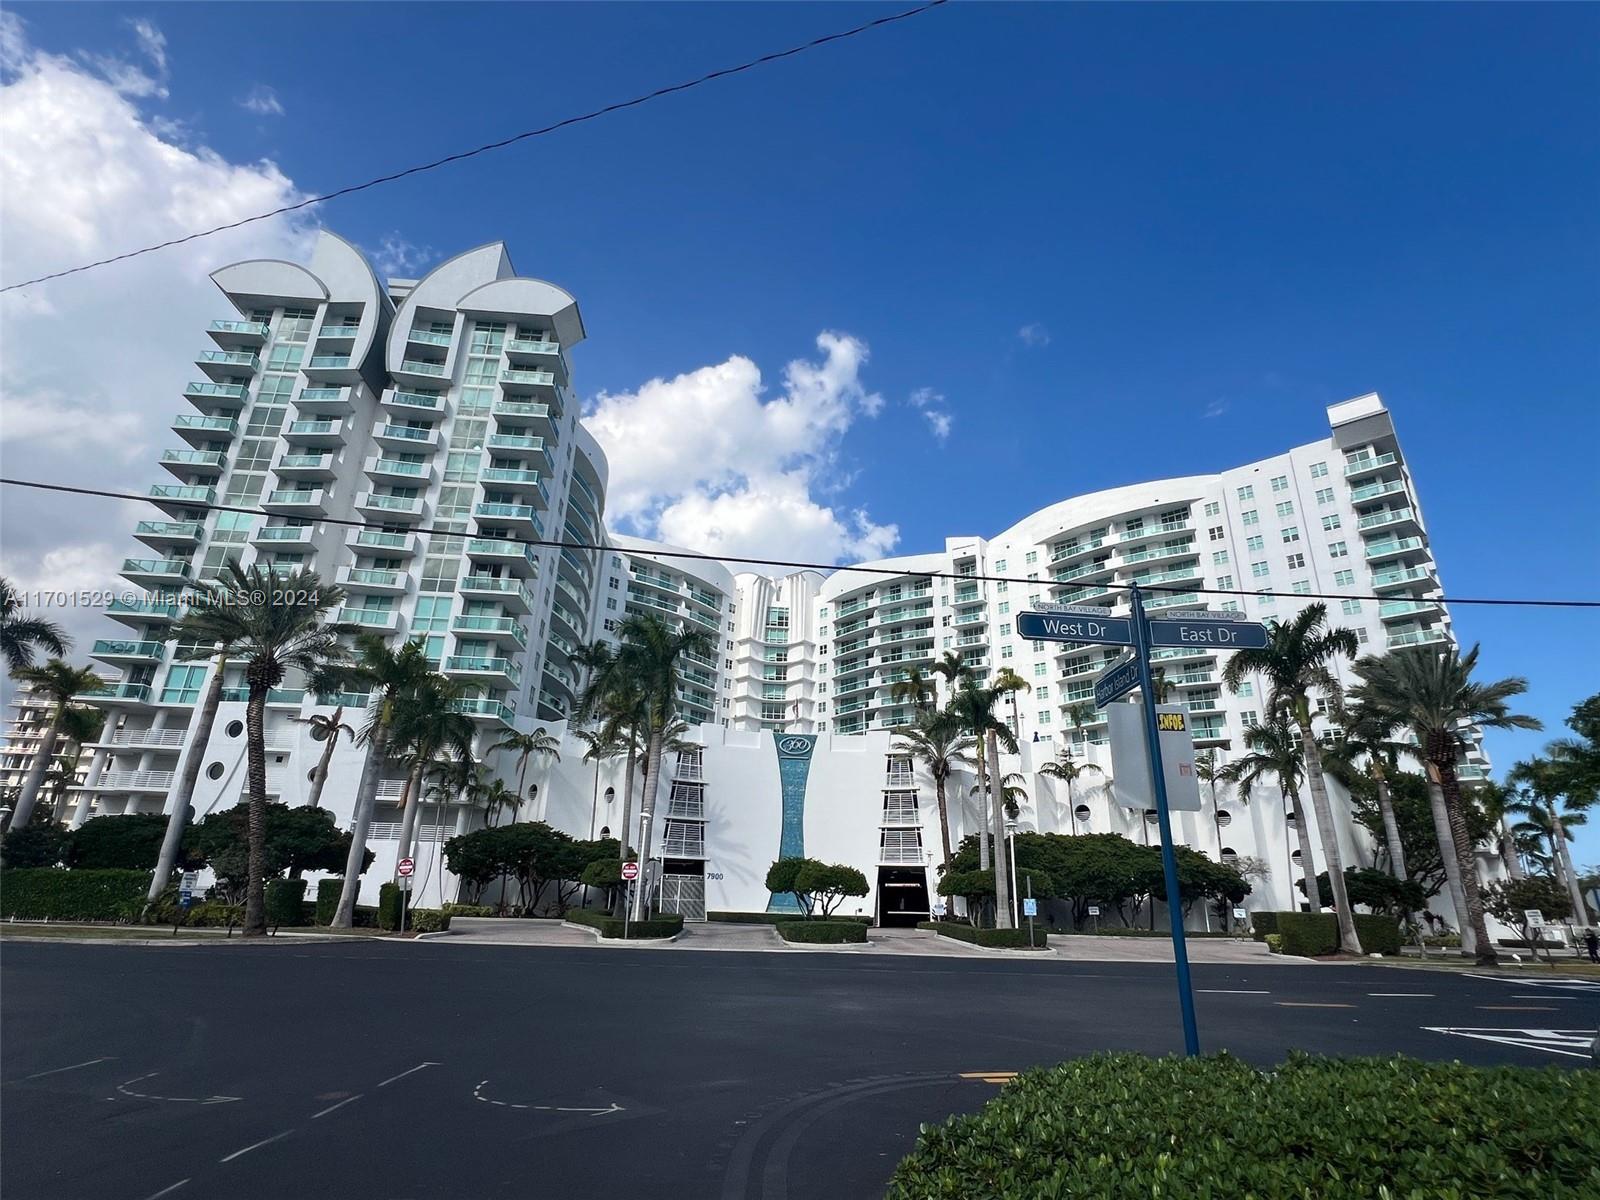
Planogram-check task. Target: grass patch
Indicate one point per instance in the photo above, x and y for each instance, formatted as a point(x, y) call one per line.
point(823, 933)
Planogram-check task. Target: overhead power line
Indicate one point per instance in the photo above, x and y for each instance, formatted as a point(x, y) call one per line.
point(792, 564)
point(462, 155)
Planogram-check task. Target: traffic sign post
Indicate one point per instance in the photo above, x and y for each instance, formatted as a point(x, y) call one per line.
point(1216, 631)
point(1118, 679)
point(404, 869)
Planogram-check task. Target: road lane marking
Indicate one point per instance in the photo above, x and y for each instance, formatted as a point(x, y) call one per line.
point(277, 1137)
point(1310, 1004)
point(1412, 995)
point(1001, 1077)
point(1232, 992)
point(1573, 1043)
point(1540, 996)
point(1517, 1007)
point(126, 1090)
point(167, 1191)
point(477, 1094)
point(403, 1074)
point(341, 1104)
point(73, 1067)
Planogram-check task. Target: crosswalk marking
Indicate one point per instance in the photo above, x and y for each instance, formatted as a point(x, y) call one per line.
point(1573, 1043)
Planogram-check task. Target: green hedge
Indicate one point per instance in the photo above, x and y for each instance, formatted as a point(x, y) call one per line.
point(830, 933)
point(1263, 923)
point(49, 893)
point(1379, 934)
point(997, 939)
point(283, 902)
point(427, 920)
point(1274, 943)
point(390, 898)
point(328, 892)
point(611, 927)
point(1309, 934)
point(764, 918)
point(1127, 1127)
point(469, 910)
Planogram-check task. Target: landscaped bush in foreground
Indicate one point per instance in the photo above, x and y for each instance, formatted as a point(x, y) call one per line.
point(1127, 1127)
point(47, 893)
point(611, 927)
point(427, 920)
point(829, 933)
point(1309, 934)
point(1263, 923)
point(469, 910)
point(998, 939)
point(1379, 933)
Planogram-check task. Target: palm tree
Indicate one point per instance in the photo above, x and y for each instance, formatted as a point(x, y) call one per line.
point(1435, 696)
point(915, 687)
point(1069, 770)
point(601, 744)
point(1160, 685)
point(1208, 769)
point(525, 746)
point(1012, 793)
point(974, 704)
point(938, 741)
point(427, 730)
point(194, 756)
point(1498, 801)
point(619, 703)
point(497, 797)
point(19, 635)
point(1547, 837)
point(1276, 749)
point(389, 675)
point(325, 728)
point(79, 726)
point(1295, 663)
point(1367, 734)
point(1542, 779)
point(274, 623)
point(57, 681)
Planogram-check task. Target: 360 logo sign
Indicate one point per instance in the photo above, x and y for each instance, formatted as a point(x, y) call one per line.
point(796, 745)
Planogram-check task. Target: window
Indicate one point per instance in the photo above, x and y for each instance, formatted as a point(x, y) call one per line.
point(1005, 607)
point(1039, 669)
point(1255, 543)
point(1044, 716)
point(1224, 582)
point(1042, 692)
point(1247, 492)
point(1249, 717)
point(1216, 533)
point(1265, 599)
point(1005, 651)
point(1319, 470)
point(1032, 556)
point(1338, 550)
point(1361, 635)
point(1213, 509)
point(1250, 517)
point(611, 604)
point(1291, 533)
point(1000, 566)
point(1229, 606)
point(183, 685)
point(1331, 523)
point(1000, 588)
point(1219, 558)
point(1297, 562)
point(1005, 630)
point(1350, 607)
point(1033, 574)
point(1344, 578)
point(1280, 483)
point(1301, 587)
point(1285, 508)
point(1259, 570)
point(1324, 495)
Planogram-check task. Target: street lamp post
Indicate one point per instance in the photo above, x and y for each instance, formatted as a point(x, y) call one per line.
point(1011, 839)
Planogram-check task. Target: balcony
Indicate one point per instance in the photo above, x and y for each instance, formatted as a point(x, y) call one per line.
point(518, 518)
point(1388, 518)
point(160, 739)
point(535, 352)
point(562, 614)
point(524, 380)
point(369, 618)
point(509, 592)
point(512, 476)
point(295, 502)
point(284, 537)
point(157, 572)
point(217, 395)
point(1392, 548)
point(168, 533)
point(1067, 574)
point(110, 650)
point(338, 333)
point(381, 507)
point(1073, 549)
point(516, 442)
point(383, 541)
point(407, 438)
point(1374, 491)
point(420, 371)
point(1402, 576)
point(378, 467)
point(187, 463)
point(140, 612)
point(429, 337)
point(897, 812)
point(328, 401)
point(902, 855)
point(971, 619)
point(524, 413)
point(481, 708)
point(412, 402)
point(112, 693)
point(1417, 637)
point(326, 434)
point(223, 366)
point(370, 579)
point(202, 431)
point(1174, 550)
point(1150, 531)
point(501, 629)
point(516, 557)
point(1169, 600)
point(1356, 467)
point(234, 335)
point(493, 672)
point(1393, 609)
point(331, 368)
point(305, 466)
point(132, 781)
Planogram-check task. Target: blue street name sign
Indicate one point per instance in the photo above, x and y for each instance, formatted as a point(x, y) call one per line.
point(1075, 627)
point(1115, 680)
point(1196, 631)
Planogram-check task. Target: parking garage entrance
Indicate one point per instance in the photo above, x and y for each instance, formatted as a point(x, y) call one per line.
point(902, 895)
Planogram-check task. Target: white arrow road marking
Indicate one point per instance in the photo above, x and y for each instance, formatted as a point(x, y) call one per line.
point(1573, 1043)
point(73, 1067)
point(477, 1094)
point(127, 1090)
point(1567, 984)
point(403, 1074)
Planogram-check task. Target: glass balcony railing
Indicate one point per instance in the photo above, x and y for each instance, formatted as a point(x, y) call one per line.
point(296, 496)
point(374, 576)
point(1388, 516)
point(1393, 546)
point(195, 458)
point(406, 433)
point(491, 625)
point(284, 533)
point(381, 540)
point(184, 531)
point(503, 512)
point(313, 428)
point(395, 466)
point(1384, 487)
point(536, 378)
point(1405, 608)
point(304, 462)
point(1418, 637)
point(429, 337)
point(520, 408)
point(484, 707)
point(112, 648)
point(475, 664)
point(1388, 578)
point(144, 608)
point(246, 328)
point(376, 618)
point(417, 367)
point(415, 399)
point(524, 346)
point(340, 332)
point(230, 358)
point(1360, 466)
point(1071, 548)
point(329, 362)
point(509, 475)
point(197, 495)
point(223, 391)
point(313, 395)
point(514, 441)
point(228, 426)
point(117, 691)
point(402, 504)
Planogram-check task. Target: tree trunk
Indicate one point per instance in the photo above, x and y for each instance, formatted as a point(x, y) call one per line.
point(1329, 837)
point(1072, 811)
point(944, 819)
point(1563, 855)
point(983, 809)
point(377, 750)
point(997, 815)
point(41, 764)
point(522, 783)
point(1508, 853)
point(647, 810)
point(199, 739)
point(1466, 862)
point(255, 907)
point(1447, 854)
point(410, 801)
point(1391, 829)
point(320, 776)
point(1308, 863)
point(627, 819)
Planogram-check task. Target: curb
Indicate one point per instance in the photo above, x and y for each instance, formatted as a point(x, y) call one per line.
point(605, 941)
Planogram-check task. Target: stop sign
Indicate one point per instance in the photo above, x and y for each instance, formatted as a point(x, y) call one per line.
point(630, 871)
point(406, 867)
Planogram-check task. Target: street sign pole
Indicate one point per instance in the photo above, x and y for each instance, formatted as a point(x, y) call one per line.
point(1169, 860)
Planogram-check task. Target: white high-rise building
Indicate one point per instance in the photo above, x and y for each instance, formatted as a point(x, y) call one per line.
point(773, 654)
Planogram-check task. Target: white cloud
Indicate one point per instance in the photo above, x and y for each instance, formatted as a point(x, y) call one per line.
point(940, 423)
point(705, 460)
point(395, 256)
point(263, 101)
point(1034, 334)
point(931, 404)
point(1215, 409)
point(93, 370)
point(135, 79)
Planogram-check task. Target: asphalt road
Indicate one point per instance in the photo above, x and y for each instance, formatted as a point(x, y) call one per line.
point(436, 1071)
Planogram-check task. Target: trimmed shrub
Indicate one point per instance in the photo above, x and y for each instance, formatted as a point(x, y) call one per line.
point(1336, 1129)
point(46, 893)
point(762, 918)
point(995, 939)
point(283, 902)
point(1274, 943)
point(1263, 923)
point(1379, 934)
point(468, 910)
point(428, 920)
point(1309, 935)
point(328, 892)
point(666, 926)
point(827, 933)
point(130, 841)
point(34, 846)
point(390, 898)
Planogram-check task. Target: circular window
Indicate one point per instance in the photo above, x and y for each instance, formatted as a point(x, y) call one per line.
point(1229, 854)
point(1151, 816)
point(318, 734)
point(1224, 818)
point(214, 771)
point(312, 775)
point(605, 831)
point(611, 794)
point(1295, 856)
point(235, 728)
point(1082, 812)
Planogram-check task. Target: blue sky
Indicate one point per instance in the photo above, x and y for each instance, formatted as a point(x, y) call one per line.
point(1217, 220)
